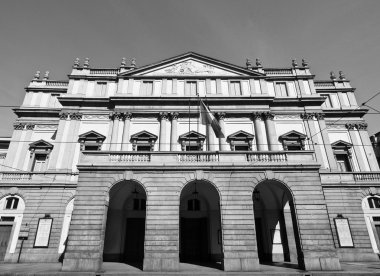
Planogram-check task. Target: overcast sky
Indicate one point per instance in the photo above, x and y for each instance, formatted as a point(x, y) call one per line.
point(49, 35)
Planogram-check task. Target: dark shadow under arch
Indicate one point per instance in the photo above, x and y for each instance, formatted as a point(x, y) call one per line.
point(125, 227)
point(278, 239)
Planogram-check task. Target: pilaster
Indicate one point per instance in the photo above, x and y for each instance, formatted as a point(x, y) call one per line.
point(173, 131)
point(127, 126)
point(223, 146)
point(359, 152)
point(367, 145)
point(163, 117)
point(326, 141)
point(15, 143)
point(257, 117)
point(271, 131)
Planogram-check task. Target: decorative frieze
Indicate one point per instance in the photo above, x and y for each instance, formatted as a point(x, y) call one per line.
point(358, 126)
point(95, 117)
point(307, 116)
point(46, 127)
point(288, 117)
point(76, 116)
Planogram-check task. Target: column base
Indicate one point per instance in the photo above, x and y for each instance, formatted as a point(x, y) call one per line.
point(161, 264)
point(241, 264)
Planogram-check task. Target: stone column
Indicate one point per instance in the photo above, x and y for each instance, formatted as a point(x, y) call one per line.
point(271, 131)
point(360, 155)
point(326, 141)
point(260, 141)
point(312, 133)
point(67, 161)
point(173, 132)
point(362, 128)
point(223, 146)
point(163, 117)
point(15, 143)
point(115, 129)
point(127, 127)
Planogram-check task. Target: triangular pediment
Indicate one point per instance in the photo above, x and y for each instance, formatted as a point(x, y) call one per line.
point(41, 144)
point(92, 135)
point(240, 135)
point(340, 144)
point(144, 135)
point(192, 135)
point(292, 135)
point(191, 64)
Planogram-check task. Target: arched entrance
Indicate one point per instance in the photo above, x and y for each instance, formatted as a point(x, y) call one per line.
point(125, 229)
point(371, 210)
point(276, 227)
point(200, 226)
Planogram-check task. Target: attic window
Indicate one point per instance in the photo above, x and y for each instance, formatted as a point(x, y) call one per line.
point(91, 140)
point(293, 140)
point(192, 141)
point(342, 153)
point(240, 141)
point(39, 155)
point(143, 141)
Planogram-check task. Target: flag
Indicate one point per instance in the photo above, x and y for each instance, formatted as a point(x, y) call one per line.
point(207, 118)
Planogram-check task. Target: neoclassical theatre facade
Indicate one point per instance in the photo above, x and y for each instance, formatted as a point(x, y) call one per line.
point(115, 165)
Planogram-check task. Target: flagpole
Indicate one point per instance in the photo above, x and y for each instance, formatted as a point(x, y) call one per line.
point(189, 114)
point(199, 104)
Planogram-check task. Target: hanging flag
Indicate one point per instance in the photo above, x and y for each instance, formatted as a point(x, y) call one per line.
point(207, 118)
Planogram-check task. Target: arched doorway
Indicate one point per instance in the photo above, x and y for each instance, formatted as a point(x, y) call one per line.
point(276, 226)
point(125, 229)
point(200, 225)
point(371, 210)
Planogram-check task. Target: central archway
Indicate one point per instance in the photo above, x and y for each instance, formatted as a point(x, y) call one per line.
point(125, 229)
point(200, 225)
point(276, 226)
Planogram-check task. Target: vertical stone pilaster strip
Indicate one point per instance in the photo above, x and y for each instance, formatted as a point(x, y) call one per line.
point(312, 133)
point(24, 148)
point(127, 127)
point(15, 143)
point(256, 117)
point(370, 154)
point(361, 159)
point(70, 148)
point(58, 145)
point(271, 131)
point(163, 117)
point(114, 131)
point(326, 142)
point(173, 132)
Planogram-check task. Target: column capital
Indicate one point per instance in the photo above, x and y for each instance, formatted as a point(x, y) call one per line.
point(19, 126)
point(350, 126)
point(163, 116)
point(174, 115)
point(268, 115)
point(221, 115)
point(63, 115)
point(307, 116)
point(257, 115)
point(127, 115)
point(319, 116)
point(361, 126)
point(30, 126)
point(76, 116)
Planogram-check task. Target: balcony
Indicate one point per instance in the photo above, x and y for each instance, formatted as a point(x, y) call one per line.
point(198, 158)
point(38, 177)
point(331, 178)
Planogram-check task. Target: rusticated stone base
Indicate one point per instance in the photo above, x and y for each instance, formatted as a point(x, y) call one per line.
point(321, 261)
point(161, 264)
point(85, 265)
point(241, 264)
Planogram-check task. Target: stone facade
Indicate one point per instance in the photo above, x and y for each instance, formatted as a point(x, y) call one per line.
point(121, 162)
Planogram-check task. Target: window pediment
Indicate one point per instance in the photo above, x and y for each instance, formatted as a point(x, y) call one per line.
point(41, 145)
point(341, 145)
point(143, 141)
point(293, 140)
point(240, 140)
point(192, 140)
point(91, 140)
point(144, 135)
point(292, 135)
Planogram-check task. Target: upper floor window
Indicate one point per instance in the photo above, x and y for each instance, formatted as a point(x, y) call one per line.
point(91, 140)
point(39, 155)
point(147, 88)
point(374, 202)
point(235, 88)
point(11, 203)
point(143, 141)
point(327, 103)
point(342, 152)
point(191, 88)
point(192, 141)
point(293, 140)
point(281, 89)
point(101, 89)
point(240, 141)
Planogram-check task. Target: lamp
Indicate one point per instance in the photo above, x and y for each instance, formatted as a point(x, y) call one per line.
point(195, 193)
point(256, 195)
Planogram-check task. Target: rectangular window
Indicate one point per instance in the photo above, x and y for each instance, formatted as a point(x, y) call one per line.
point(191, 88)
point(327, 103)
point(147, 88)
point(343, 162)
point(235, 88)
point(7, 219)
point(91, 147)
point(192, 148)
point(101, 89)
point(143, 148)
point(242, 148)
point(281, 89)
point(39, 163)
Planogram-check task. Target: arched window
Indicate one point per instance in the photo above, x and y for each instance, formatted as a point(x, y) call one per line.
point(374, 202)
point(11, 214)
point(371, 210)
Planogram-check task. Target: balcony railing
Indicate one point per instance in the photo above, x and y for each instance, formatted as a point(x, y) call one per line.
point(38, 177)
point(349, 177)
point(248, 158)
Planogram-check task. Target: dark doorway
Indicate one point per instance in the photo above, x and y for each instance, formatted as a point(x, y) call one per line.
point(134, 240)
point(260, 238)
point(5, 232)
point(194, 240)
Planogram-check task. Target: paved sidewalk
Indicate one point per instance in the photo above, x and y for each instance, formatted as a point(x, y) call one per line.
point(118, 269)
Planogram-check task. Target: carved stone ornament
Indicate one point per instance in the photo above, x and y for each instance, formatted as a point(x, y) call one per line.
point(319, 116)
point(86, 63)
point(63, 115)
point(133, 63)
point(76, 63)
point(221, 115)
point(332, 75)
point(46, 76)
point(18, 126)
point(123, 62)
point(257, 116)
point(37, 75)
point(163, 116)
point(350, 126)
point(361, 126)
point(341, 75)
point(305, 63)
point(268, 116)
point(258, 63)
point(174, 115)
point(294, 63)
point(127, 116)
point(307, 116)
point(76, 116)
point(248, 63)
point(30, 126)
